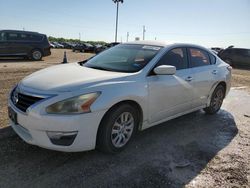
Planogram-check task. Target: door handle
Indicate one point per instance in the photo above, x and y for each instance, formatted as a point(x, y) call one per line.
point(189, 79)
point(214, 71)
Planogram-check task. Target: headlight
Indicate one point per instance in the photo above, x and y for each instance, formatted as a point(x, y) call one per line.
point(74, 105)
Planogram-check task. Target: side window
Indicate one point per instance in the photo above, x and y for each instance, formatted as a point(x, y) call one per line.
point(248, 53)
point(12, 36)
point(23, 37)
point(212, 58)
point(198, 57)
point(35, 37)
point(244, 52)
point(3, 36)
point(176, 57)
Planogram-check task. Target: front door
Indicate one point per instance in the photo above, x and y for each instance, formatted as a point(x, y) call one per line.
point(170, 95)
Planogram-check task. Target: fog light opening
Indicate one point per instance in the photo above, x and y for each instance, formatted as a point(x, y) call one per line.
point(62, 138)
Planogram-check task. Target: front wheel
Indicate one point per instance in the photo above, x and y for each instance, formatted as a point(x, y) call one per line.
point(216, 100)
point(36, 55)
point(117, 128)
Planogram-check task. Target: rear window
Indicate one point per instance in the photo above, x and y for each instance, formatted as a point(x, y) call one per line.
point(212, 58)
point(198, 57)
point(35, 37)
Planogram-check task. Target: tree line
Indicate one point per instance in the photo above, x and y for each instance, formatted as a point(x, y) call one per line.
point(54, 39)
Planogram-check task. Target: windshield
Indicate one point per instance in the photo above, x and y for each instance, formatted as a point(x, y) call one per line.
point(124, 58)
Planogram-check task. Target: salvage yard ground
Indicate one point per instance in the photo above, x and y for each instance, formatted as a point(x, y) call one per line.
point(195, 150)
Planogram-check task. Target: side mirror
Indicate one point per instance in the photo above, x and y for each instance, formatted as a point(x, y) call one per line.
point(165, 70)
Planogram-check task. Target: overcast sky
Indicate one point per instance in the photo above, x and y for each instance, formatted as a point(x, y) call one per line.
point(209, 23)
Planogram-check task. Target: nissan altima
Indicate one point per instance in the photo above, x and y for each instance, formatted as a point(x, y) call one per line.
point(103, 101)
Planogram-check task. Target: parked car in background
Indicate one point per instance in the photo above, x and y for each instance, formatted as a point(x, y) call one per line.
point(52, 45)
point(217, 49)
point(99, 48)
point(57, 45)
point(14, 43)
point(236, 57)
point(112, 44)
point(102, 102)
point(84, 47)
point(89, 48)
point(78, 47)
point(106, 46)
point(215, 52)
point(67, 45)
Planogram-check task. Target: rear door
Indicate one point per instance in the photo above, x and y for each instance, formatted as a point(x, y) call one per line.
point(170, 94)
point(205, 74)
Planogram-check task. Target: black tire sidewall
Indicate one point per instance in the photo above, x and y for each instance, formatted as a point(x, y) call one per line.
point(104, 142)
point(210, 109)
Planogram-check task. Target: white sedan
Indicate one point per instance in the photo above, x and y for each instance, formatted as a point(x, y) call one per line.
point(102, 102)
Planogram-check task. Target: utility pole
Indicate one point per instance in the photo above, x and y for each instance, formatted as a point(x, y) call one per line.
point(127, 36)
point(117, 12)
point(79, 36)
point(144, 30)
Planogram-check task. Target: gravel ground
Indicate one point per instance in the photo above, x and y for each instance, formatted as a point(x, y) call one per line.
point(195, 150)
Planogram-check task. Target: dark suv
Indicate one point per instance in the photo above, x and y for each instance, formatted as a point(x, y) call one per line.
point(236, 57)
point(23, 43)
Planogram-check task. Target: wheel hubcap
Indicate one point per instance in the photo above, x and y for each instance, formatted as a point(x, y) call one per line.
point(218, 99)
point(122, 129)
point(37, 55)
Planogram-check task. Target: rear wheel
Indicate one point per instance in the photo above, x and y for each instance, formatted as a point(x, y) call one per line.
point(216, 100)
point(36, 55)
point(117, 128)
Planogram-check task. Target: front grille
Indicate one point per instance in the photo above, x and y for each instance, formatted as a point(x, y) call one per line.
point(22, 101)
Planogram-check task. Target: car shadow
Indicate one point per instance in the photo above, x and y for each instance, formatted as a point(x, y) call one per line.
point(168, 155)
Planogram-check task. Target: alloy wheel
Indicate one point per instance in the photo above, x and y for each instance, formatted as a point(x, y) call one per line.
point(122, 129)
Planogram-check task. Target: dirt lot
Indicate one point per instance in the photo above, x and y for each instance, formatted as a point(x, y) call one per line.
point(195, 150)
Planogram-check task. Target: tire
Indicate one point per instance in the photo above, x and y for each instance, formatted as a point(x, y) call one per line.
point(216, 100)
point(117, 128)
point(36, 55)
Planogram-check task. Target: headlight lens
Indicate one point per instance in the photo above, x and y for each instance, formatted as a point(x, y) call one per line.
point(74, 105)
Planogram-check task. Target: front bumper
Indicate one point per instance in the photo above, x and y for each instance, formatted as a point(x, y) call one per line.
point(33, 129)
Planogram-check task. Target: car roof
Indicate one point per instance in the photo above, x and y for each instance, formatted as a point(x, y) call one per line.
point(165, 44)
point(237, 49)
point(20, 31)
point(148, 42)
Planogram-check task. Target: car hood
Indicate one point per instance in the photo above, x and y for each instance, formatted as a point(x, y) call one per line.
point(68, 77)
